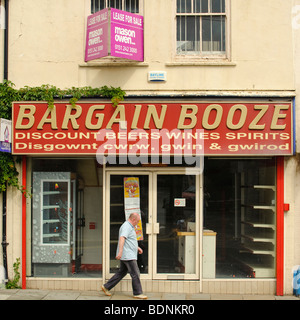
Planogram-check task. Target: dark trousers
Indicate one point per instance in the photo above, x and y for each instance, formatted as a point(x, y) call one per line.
point(125, 267)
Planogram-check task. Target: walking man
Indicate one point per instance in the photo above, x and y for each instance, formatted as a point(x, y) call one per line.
point(127, 254)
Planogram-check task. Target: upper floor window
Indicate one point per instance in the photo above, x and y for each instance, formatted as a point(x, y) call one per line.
point(132, 6)
point(201, 27)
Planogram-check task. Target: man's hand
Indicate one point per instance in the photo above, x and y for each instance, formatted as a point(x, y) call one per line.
point(121, 246)
point(119, 256)
point(140, 250)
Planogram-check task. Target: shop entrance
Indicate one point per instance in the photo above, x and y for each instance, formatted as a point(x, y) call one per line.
point(169, 204)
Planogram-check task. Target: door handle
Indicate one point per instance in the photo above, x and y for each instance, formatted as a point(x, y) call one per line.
point(152, 228)
point(156, 228)
point(148, 228)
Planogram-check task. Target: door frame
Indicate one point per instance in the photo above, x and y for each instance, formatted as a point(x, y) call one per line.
point(152, 173)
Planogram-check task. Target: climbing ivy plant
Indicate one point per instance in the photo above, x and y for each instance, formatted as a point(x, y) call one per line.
point(8, 94)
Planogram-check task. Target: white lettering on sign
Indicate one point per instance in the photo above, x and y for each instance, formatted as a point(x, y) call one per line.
point(137, 21)
point(94, 36)
point(124, 35)
point(118, 16)
point(97, 18)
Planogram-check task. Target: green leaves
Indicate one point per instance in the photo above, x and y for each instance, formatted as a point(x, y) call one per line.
point(49, 93)
point(8, 94)
point(14, 283)
point(8, 172)
point(115, 94)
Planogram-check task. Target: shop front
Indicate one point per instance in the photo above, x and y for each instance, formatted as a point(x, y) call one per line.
point(206, 178)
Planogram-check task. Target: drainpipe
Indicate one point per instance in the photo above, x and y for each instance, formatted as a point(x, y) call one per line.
point(5, 77)
point(4, 243)
point(6, 8)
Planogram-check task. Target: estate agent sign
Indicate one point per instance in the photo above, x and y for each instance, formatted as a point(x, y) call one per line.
point(112, 32)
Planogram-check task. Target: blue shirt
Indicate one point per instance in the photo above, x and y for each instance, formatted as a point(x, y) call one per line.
point(130, 248)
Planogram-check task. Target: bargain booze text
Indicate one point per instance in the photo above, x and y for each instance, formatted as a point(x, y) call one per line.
point(154, 128)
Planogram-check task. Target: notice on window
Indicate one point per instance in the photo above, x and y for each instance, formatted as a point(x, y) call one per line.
point(179, 202)
point(132, 202)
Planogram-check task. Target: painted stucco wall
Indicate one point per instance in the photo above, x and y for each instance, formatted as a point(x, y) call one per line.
point(47, 43)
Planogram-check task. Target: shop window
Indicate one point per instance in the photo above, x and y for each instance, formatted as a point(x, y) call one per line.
point(132, 6)
point(66, 218)
point(239, 219)
point(201, 27)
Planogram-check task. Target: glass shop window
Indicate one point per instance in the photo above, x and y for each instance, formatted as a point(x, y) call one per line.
point(132, 6)
point(201, 27)
point(239, 218)
point(66, 218)
point(55, 217)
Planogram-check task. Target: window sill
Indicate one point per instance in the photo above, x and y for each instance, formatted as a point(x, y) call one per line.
point(200, 63)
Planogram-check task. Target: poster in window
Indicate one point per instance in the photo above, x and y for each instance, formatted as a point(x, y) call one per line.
point(132, 202)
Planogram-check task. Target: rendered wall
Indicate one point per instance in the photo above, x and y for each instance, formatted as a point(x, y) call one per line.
point(292, 218)
point(47, 46)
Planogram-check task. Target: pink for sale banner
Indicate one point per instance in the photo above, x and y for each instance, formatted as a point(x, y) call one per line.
point(127, 35)
point(97, 35)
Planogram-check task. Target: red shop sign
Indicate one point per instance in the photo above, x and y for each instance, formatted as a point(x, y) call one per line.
point(230, 129)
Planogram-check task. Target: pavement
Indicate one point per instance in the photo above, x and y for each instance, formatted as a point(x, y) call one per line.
point(35, 294)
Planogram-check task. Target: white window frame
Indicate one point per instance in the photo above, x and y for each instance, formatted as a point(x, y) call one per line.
point(123, 5)
point(200, 56)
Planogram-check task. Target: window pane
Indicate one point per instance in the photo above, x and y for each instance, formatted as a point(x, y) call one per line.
point(184, 6)
point(117, 4)
point(188, 37)
point(217, 34)
point(245, 226)
point(129, 5)
point(178, 6)
point(213, 34)
point(200, 6)
point(180, 34)
point(132, 6)
point(97, 5)
point(206, 34)
point(193, 30)
point(172, 247)
point(204, 6)
point(62, 243)
point(223, 26)
point(218, 6)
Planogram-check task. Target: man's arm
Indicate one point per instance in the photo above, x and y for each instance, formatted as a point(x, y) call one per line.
point(121, 246)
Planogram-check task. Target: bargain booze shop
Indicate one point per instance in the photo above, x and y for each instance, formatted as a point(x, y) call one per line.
point(206, 176)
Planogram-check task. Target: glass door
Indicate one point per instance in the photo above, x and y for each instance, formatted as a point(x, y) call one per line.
point(169, 233)
point(176, 229)
point(126, 190)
